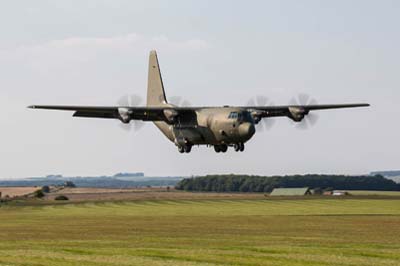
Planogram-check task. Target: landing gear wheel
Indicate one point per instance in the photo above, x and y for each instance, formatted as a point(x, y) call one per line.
point(224, 148)
point(187, 148)
point(236, 147)
point(217, 148)
point(181, 149)
point(221, 148)
point(241, 147)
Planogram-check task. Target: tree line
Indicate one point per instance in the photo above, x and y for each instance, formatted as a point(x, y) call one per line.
point(246, 183)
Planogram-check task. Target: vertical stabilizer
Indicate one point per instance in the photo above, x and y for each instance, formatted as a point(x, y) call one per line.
point(155, 87)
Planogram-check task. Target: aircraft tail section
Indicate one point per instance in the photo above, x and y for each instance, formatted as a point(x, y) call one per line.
point(155, 87)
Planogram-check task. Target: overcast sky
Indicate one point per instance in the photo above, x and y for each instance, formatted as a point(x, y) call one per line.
point(211, 53)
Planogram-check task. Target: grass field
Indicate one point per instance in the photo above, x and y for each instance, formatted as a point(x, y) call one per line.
point(203, 232)
point(373, 193)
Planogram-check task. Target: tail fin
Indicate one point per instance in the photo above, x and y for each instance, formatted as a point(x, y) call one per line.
point(155, 87)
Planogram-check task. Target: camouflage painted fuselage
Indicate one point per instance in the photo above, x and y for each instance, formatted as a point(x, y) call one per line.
point(211, 126)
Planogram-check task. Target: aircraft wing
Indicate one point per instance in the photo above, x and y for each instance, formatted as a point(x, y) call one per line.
point(296, 112)
point(285, 108)
point(116, 112)
point(167, 113)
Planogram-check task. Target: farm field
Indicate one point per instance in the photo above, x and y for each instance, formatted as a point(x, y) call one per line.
point(203, 232)
point(16, 191)
point(126, 194)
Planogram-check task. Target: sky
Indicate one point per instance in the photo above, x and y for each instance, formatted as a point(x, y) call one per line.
point(222, 52)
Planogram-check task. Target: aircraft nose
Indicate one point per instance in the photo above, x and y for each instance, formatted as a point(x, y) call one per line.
point(247, 130)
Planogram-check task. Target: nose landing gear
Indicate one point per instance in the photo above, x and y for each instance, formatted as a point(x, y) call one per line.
point(221, 148)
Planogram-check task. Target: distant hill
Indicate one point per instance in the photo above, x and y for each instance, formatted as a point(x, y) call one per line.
point(125, 175)
point(386, 173)
point(121, 180)
point(392, 175)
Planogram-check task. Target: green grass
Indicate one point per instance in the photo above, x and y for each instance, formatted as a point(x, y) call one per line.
point(373, 193)
point(203, 232)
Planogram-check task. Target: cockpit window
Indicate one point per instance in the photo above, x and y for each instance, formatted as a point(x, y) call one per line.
point(233, 115)
point(240, 116)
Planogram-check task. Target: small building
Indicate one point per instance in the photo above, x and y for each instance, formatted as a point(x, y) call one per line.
point(291, 192)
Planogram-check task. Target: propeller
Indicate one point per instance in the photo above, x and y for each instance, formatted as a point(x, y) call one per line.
point(309, 119)
point(264, 123)
point(179, 101)
point(131, 101)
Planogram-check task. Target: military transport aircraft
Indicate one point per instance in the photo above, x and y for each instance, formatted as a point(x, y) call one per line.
point(218, 127)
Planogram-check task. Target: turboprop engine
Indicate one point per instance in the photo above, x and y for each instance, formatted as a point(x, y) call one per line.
point(257, 116)
point(297, 114)
point(171, 115)
point(124, 115)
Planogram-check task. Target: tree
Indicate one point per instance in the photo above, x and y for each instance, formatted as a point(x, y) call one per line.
point(242, 183)
point(38, 194)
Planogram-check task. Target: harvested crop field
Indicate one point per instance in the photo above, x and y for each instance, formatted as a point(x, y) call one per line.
point(16, 191)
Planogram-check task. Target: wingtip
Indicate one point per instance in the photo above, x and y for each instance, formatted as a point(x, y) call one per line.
point(31, 107)
point(362, 105)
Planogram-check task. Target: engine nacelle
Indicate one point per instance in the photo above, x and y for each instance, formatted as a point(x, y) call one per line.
point(171, 115)
point(257, 116)
point(297, 114)
point(124, 115)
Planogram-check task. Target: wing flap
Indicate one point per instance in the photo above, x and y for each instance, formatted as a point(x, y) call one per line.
point(95, 114)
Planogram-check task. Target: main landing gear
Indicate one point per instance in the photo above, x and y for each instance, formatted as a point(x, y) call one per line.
point(185, 149)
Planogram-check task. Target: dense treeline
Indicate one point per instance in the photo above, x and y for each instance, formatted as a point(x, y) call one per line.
point(241, 183)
